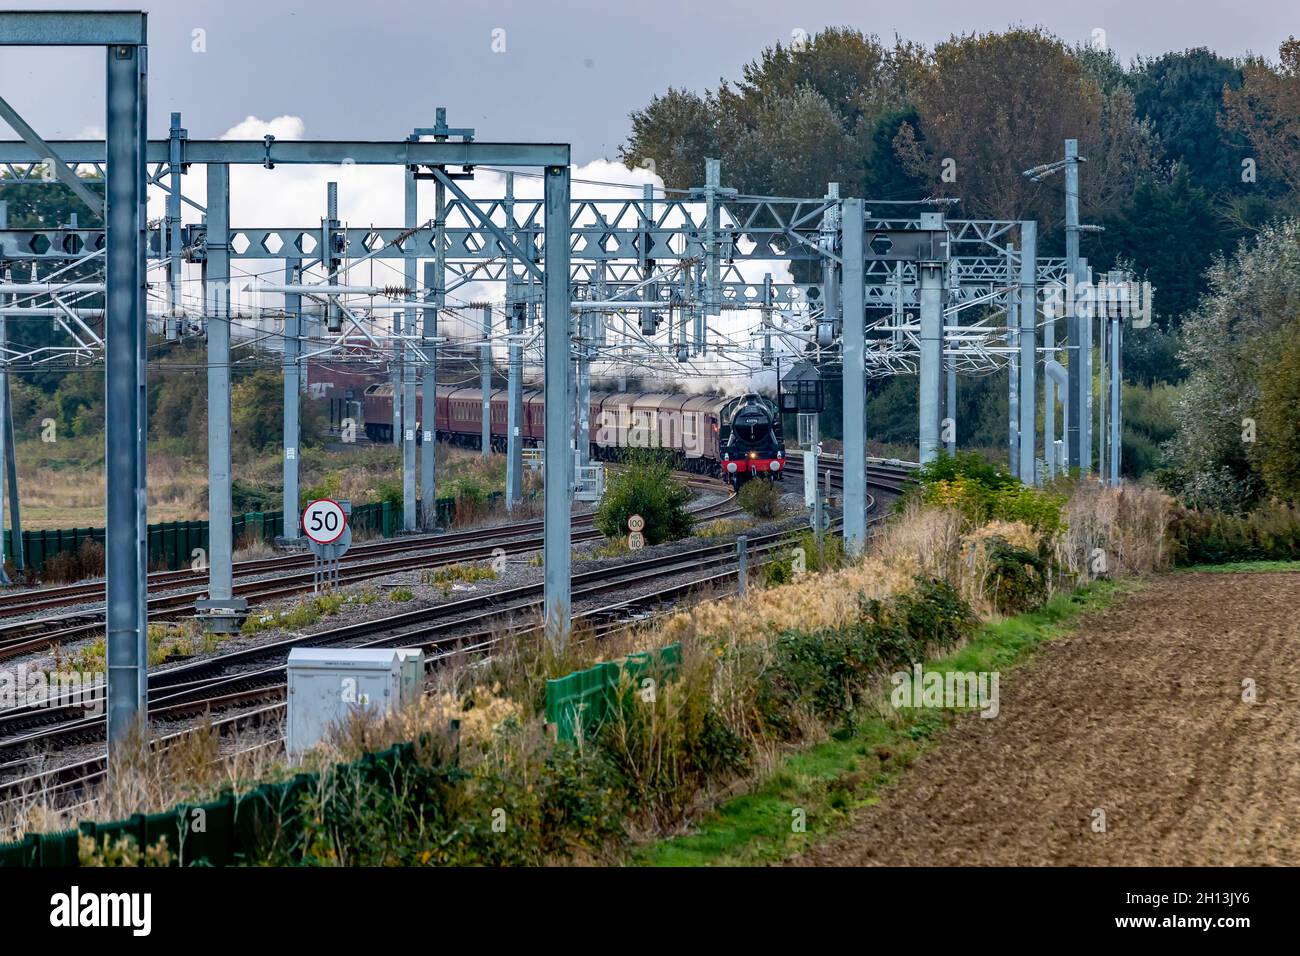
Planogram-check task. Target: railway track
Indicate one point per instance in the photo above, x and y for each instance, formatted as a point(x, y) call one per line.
point(49, 598)
point(256, 675)
point(34, 635)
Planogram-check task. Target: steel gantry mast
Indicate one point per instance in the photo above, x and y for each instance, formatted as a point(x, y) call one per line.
point(680, 259)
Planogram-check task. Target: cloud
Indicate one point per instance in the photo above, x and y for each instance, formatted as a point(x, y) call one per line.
point(295, 196)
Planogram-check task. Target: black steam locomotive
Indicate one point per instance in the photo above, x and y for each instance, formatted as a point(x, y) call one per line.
point(752, 447)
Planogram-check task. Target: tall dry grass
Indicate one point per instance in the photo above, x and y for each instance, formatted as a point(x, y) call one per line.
point(192, 766)
point(1117, 531)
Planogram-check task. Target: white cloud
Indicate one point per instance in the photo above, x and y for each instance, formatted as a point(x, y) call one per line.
point(295, 196)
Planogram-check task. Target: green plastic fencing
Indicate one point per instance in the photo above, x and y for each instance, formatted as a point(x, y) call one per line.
point(228, 831)
point(172, 543)
point(582, 701)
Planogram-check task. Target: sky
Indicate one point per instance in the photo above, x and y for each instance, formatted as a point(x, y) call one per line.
point(564, 71)
point(529, 70)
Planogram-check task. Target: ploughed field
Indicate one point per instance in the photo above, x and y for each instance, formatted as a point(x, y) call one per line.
point(1139, 713)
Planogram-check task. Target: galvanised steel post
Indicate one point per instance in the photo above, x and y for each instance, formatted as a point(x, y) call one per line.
point(1103, 406)
point(558, 460)
point(410, 425)
point(433, 287)
point(950, 402)
point(126, 539)
point(931, 276)
point(11, 468)
point(1086, 458)
point(217, 283)
point(949, 423)
point(742, 565)
point(485, 381)
point(582, 437)
point(176, 261)
point(854, 378)
point(292, 349)
point(515, 411)
point(1116, 387)
point(1049, 387)
point(4, 435)
point(1028, 348)
point(515, 353)
point(1074, 360)
point(1013, 363)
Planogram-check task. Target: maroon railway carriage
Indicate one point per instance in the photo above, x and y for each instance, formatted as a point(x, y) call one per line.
point(693, 428)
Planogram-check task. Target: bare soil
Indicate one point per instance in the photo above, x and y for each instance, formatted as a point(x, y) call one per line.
point(1138, 712)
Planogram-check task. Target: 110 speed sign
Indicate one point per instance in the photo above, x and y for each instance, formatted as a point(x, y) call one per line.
point(323, 521)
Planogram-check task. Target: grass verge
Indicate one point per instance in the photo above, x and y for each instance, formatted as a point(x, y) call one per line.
point(823, 784)
point(1238, 567)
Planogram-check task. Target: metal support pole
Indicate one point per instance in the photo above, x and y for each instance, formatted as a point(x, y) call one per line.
point(1086, 411)
point(742, 564)
point(582, 436)
point(5, 414)
point(1116, 392)
point(1074, 452)
point(292, 349)
point(410, 421)
point(1013, 365)
point(852, 293)
point(558, 462)
point(1049, 386)
point(515, 413)
point(950, 403)
point(176, 261)
point(1028, 348)
point(1103, 387)
point(818, 504)
point(216, 284)
point(433, 286)
point(485, 381)
point(15, 494)
point(126, 538)
point(515, 354)
point(931, 295)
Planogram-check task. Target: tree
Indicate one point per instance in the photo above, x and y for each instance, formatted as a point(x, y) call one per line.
point(673, 136)
point(1266, 110)
point(1169, 226)
point(1230, 347)
point(794, 148)
point(645, 486)
point(1181, 96)
point(1277, 452)
point(997, 103)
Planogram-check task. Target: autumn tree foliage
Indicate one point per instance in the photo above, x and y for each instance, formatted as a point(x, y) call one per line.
point(994, 104)
point(1266, 110)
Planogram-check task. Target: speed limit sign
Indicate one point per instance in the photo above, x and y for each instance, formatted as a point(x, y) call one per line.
point(323, 521)
point(635, 523)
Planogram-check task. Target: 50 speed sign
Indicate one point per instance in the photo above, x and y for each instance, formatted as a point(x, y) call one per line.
point(323, 521)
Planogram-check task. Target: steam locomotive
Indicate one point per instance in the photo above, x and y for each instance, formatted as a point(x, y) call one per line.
point(739, 437)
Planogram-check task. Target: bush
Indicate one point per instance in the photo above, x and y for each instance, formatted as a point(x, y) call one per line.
point(247, 496)
point(86, 562)
point(760, 498)
point(548, 804)
point(1269, 533)
point(645, 486)
point(824, 671)
point(983, 492)
point(1017, 579)
point(968, 465)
